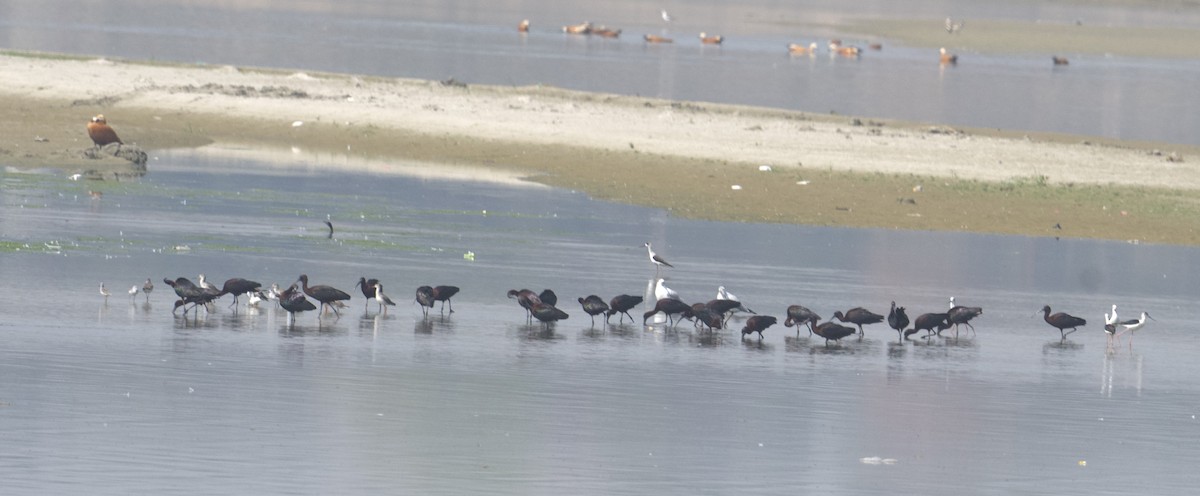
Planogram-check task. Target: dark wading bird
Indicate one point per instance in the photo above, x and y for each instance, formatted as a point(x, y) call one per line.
point(798, 315)
point(237, 287)
point(548, 297)
point(147, 288)
point(858, 316)
point(367, 286)
point(1062, 321)
point(327, 295)
point(931, 323)
point(593, 306)
point(293, 301)
point(962, 315)
point(382, 299)
point(527, 299)
point(897, 320)
point(425, 299)
point(669, 307)
point(706, 316)
point(547, 313)
point(833, 331)
point(758, 323)
point(622, 304)
point(190, 293)
point(443, 294)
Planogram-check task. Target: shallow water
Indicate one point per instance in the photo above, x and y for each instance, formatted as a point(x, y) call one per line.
point(122, 397)
point(476, 42)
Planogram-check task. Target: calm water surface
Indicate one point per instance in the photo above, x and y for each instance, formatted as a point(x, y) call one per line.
point(477, 42)
point(124, 398)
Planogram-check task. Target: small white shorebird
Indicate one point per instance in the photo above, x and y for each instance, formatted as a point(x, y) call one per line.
point(722, 294)
point(1132, 326)
point(656, 260)
point(104, 292)
point(665, 16)
point(254, 299)
point(133, 291)
point(1110, 326)
point(382, 299)
point(204, 284)
point(662, 291)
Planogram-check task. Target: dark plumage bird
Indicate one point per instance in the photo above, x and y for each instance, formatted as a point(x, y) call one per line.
point(897, 320)
point(367, 286)
point(704, 314)
point(293, 300)
point(962, 315)
point(593, 306)
point(758, 323)
point(147, 288)
point(798, 315)
point(324, 294)
point(425, 299)
point(832, 331)
point(931, 323)
point(670, 307)
point(237, 287)
point(548, 297)
point(858, 316)
point(443, 294)
point(190, 293)
point(547, 313)
point(527, 299)
point(622, 304)
point(1062, 321)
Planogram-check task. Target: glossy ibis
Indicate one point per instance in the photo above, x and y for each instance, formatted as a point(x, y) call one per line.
point(658, 261)
point(527, 299)
point(1062, 321)
point(293, 300)
point(382, 299)
point(327, 295)
point(104, 292)
point(662, 291)
point(547, 313)
point(758, 323)
point(858, 316)
point(1132, 326)
point(147, 288)
point(669, 307)
point(962, 315)
point(548, 297)
point(425, 299)
point(897, 320)
point(237, 287)
point(100, 132)
point(443, 294)
point(367, 286)
point(622, 304)
point(593, 306)
point(832, 331)
point(709, 317)
point(931, 323)
point(798, 315)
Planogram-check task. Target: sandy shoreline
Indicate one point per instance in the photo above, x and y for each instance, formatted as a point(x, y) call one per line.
point(676, 155)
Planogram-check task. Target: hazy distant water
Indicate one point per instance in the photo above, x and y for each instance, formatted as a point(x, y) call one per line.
point(476, 42)
point(125, 398)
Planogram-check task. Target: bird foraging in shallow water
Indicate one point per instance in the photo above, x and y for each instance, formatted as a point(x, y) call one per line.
point(100, 132)
point(661, 291)
point(1132, 326)
point(133, 291)
point(669, 307)
point(758, 323)
point(858, 316)
point(656, 260)
point(897, 319)
point(547, 313)
point(622, 304)
point(798, 315)
point(382, 299)
point(147, 288)
point(327, 295)
point(947, 57)
point(832, 331)
point(931, 323)
point(104, 292)
point(367, 286)
point(593, 306)
point(1062, 321)
point(962, 315)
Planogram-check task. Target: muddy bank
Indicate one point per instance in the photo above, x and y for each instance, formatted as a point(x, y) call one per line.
point(684, 157)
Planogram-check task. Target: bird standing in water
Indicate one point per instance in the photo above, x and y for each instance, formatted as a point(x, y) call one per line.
point(382, 299)
point(147, 288)
point(658, 261)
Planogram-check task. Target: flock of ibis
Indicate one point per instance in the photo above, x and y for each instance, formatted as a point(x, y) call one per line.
point(712, 315)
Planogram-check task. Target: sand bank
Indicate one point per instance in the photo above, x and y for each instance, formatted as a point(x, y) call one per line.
point(685, 157)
